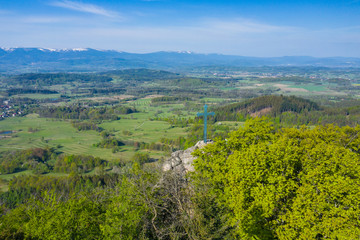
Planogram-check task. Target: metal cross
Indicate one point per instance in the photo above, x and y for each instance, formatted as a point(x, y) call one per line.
point(205, 114)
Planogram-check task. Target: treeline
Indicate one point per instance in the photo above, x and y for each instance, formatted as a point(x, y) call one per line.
point(83, 113)
point(25, 187)
point(85, 126)
point(19, 101)
point(77, 163)
point(46, 160)
point(165, 145)
point(340, 81)
point(15, 91)
point(36, 159)
point(77, 112)
point(110, 142)
point(290, 111)
point(339, 116)
point(272, 105)
point(142, 74)
point(170, 99)
point(110, 90)
point(48, 79)
point(113, 143)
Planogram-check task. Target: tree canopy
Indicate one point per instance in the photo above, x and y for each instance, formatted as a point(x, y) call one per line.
point(286, 184)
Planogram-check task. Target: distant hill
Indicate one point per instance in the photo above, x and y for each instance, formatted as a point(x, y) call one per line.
point(24, 60)
point(266, 105)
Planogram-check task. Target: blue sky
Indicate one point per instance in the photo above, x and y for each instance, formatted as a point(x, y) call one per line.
point(250, 28)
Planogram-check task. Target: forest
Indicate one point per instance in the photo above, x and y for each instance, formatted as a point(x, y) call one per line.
point(259, 183)
point(82, 154)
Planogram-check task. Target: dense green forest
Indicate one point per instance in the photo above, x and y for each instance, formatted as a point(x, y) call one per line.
point(290, 110)
point(266, 105)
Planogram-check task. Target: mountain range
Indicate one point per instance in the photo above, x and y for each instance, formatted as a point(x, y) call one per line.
point(22, 60)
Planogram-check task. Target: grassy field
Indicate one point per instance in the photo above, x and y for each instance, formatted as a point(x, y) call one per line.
point(55, 132)
point(311, 87)
point(32, 131)
point(49, 133)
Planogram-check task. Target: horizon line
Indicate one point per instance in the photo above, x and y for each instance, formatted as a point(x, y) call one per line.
point(82, 49)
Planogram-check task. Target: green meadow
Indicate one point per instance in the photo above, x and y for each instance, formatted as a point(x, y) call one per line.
point(138, 127)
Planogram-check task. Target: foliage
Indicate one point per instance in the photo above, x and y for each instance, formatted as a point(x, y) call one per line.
point(46, 160)
point(109, 143)
point(49, 218)
point(125, 215)
point(77, 163)
point(141, 158)
point(35, 158)
point(341, 116)
point(289, 111)
point(170, 99)
point(77, 112)
point(49, 79)
point(24, 187)
point(274, 105)
point(15, 91)
point(119, 211)
point(84, 126)
point(286, 184)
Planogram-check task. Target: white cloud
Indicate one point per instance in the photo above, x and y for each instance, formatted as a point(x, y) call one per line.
point(84, 7)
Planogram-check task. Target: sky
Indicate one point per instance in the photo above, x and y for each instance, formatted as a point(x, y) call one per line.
point(258, 28)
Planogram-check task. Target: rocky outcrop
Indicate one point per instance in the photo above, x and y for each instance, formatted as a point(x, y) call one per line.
point(181, 161)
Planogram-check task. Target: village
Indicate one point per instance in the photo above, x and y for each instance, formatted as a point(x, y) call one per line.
point(7, 109)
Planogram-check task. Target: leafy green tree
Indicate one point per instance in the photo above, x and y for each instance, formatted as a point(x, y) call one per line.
point(129, 209)
point(141, 158)
point(49, 217)
point(286, 184)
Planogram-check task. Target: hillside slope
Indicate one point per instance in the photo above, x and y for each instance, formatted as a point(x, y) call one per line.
point(265, 105)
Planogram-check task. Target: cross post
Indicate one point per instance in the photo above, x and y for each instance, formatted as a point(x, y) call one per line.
point(205, 114)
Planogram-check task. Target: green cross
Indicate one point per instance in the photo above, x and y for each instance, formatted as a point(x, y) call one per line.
point(205, 114)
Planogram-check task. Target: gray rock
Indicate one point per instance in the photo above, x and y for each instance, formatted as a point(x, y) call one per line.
point(181, 161)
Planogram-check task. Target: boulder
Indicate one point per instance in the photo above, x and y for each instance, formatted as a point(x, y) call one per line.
point(181, 161)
